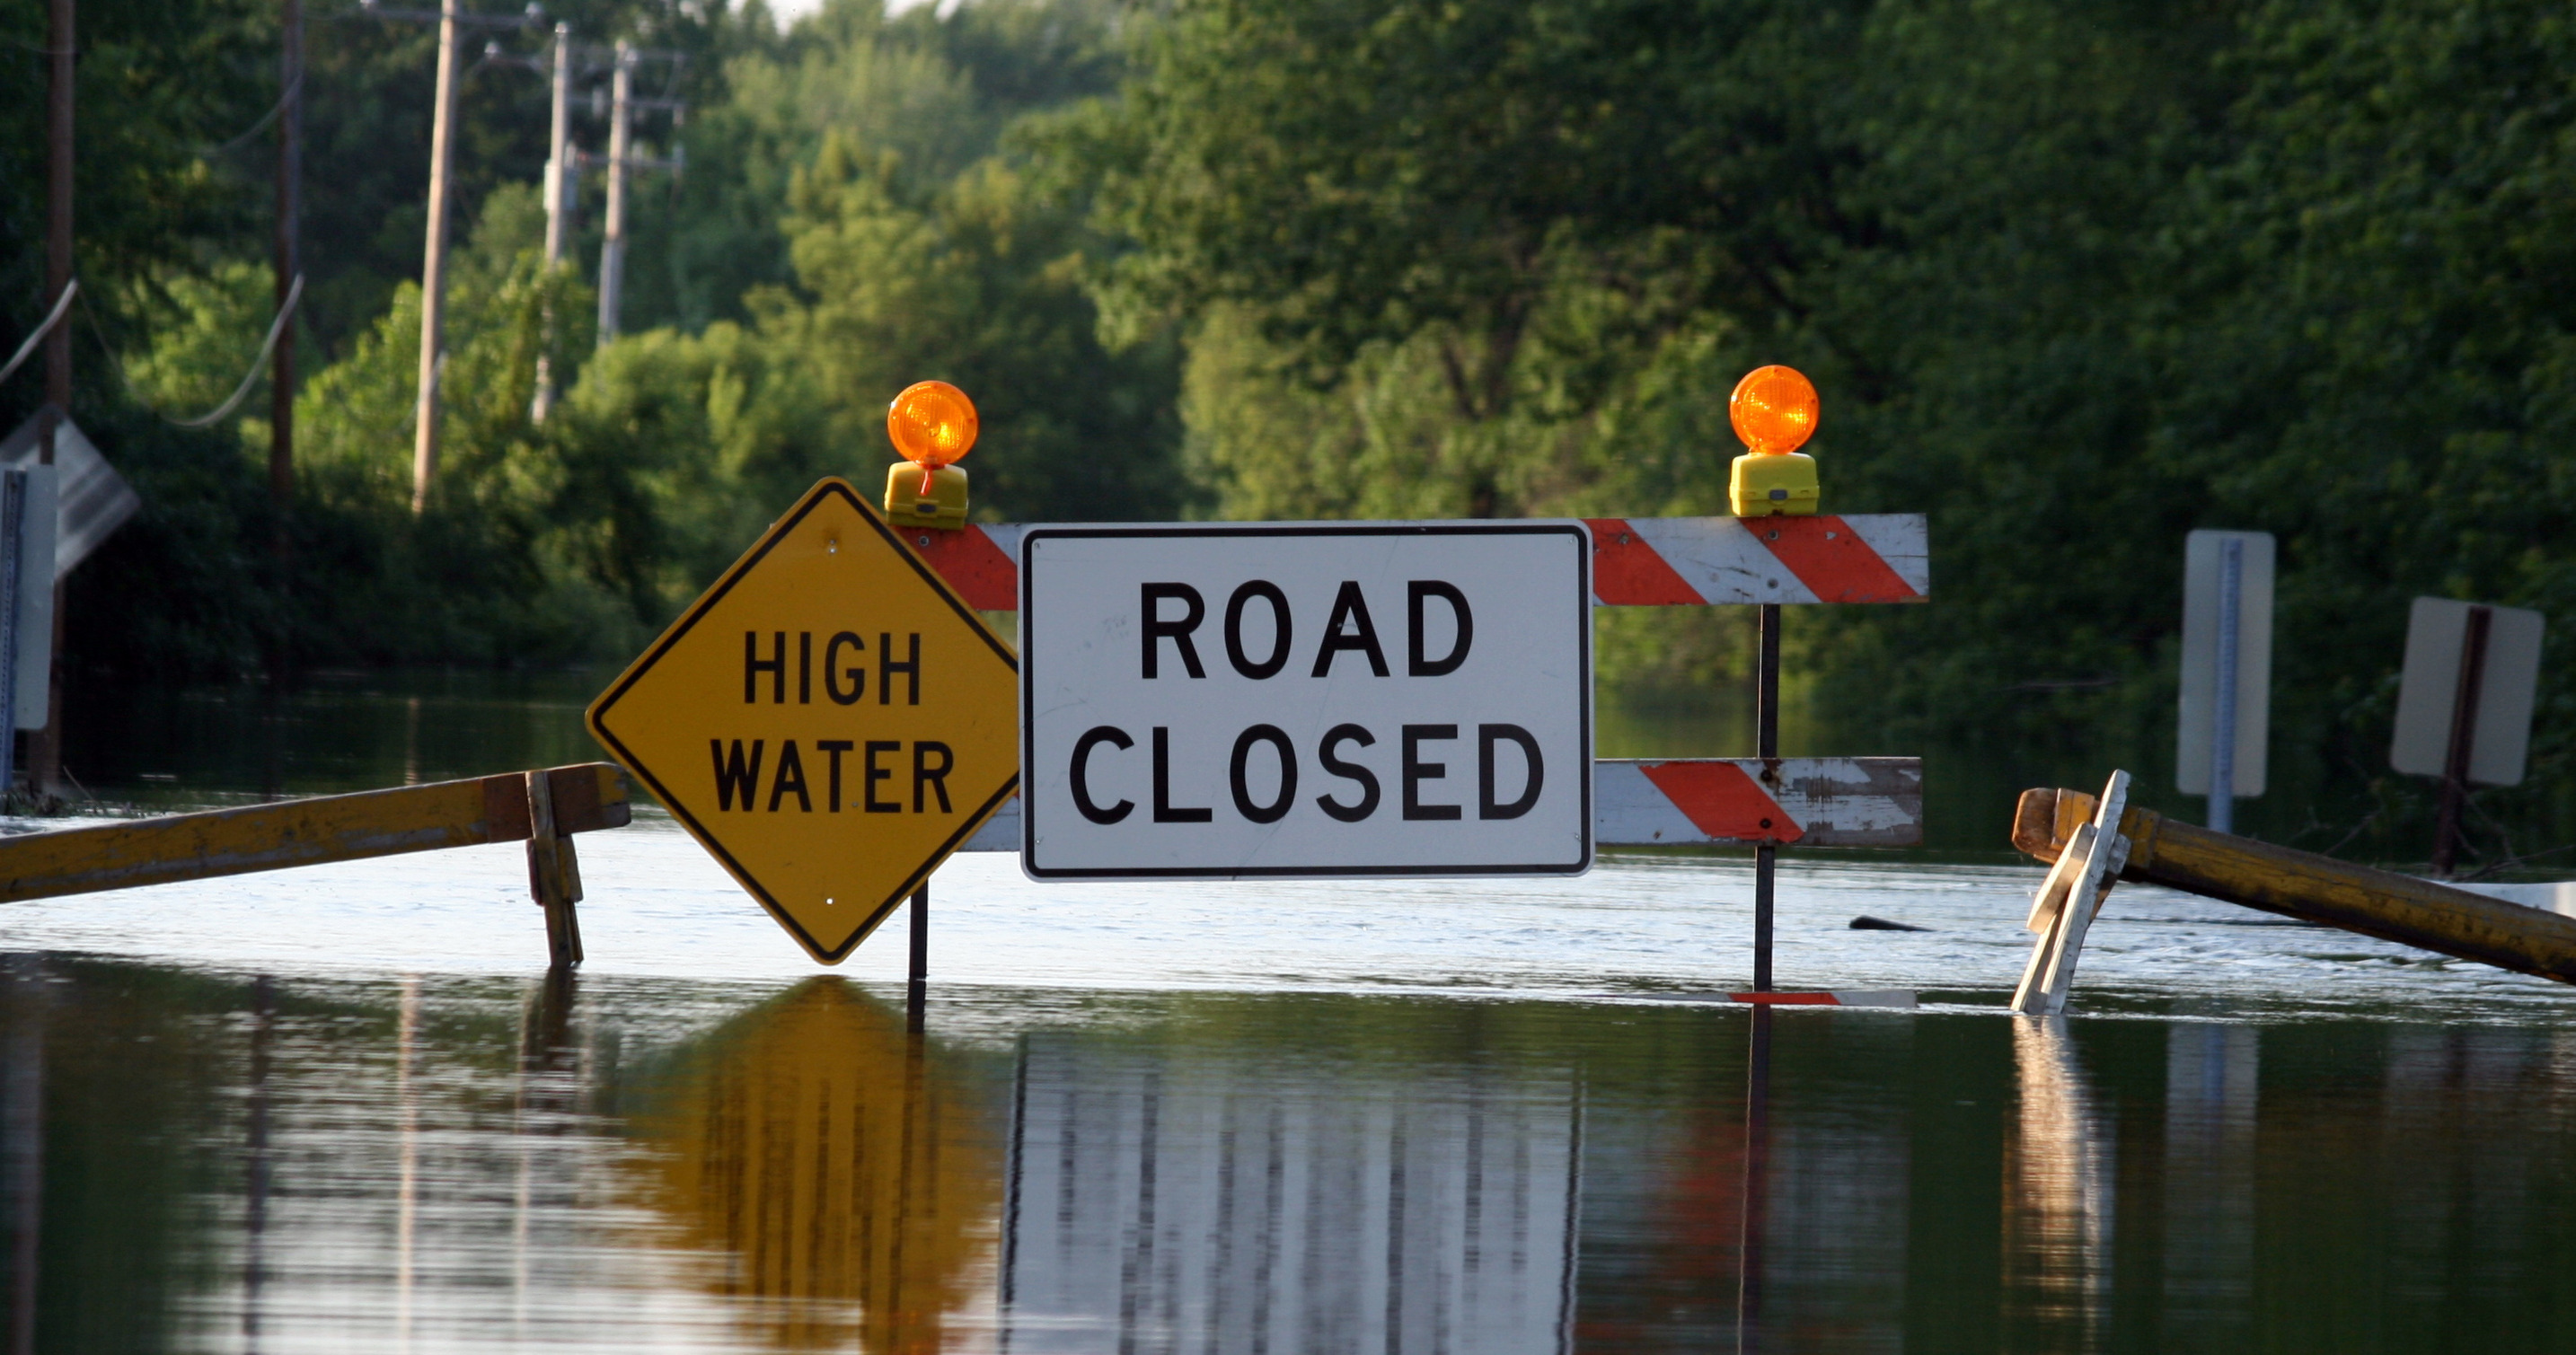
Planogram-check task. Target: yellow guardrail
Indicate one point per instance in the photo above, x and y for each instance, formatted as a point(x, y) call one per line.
point(541, 808)
point(2311, 888)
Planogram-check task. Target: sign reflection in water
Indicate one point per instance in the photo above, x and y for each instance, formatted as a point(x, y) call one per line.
point(22, 1157)
point(1190, 1199)
point(199, 1162)
point(2212, 1071)
point(843, 1182)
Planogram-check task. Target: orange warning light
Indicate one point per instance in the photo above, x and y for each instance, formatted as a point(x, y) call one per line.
point(933, 424)
point(1773, 410)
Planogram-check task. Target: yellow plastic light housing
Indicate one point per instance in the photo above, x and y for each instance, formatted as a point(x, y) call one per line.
point(1773, 410)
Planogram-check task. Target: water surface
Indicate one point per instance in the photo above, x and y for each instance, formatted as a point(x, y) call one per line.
point(342, 1108)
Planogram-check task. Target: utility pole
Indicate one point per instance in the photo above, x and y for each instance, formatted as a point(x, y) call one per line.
point(560, 178)
point(433, 268)
point(450, 16)
point(612, 249)
point(45, 746)
point(621, 161)
point(290, 193)
point(59, 49)
point(560, 174)
point(563, 173)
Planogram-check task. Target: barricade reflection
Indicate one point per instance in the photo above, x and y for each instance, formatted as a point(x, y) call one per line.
point(2057, 1198)
point(846, 1185)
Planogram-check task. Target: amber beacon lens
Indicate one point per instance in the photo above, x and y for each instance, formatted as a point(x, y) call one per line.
point(933, 424)
point(1774, 409)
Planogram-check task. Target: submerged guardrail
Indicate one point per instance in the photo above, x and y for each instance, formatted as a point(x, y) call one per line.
point(541, 808)
point(2282, 880)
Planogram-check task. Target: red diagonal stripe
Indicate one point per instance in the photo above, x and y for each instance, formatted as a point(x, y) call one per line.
point(1835, 564)
point(1722, 801)
point(1626, 572)
point(972, 564)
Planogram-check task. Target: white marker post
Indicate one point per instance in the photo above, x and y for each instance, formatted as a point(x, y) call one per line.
point(28, 509)
point(2464, 707)
point(2225, 728)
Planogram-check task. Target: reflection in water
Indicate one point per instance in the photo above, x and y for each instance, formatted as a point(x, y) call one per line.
point(407, 1139)
point(1757, 1184)
point(22, 1144)
point(553, 1075)
point(255, 1186)
point(1209, 1200)
point(2057, 1196)
point(204, 1162)
point(2212, 1071)
point(848, 1187)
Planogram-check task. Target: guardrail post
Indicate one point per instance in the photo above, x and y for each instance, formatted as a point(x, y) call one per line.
point(554, 875)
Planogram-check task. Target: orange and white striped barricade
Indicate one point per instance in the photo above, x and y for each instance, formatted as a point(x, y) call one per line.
point(1697, 802)
point(1667, 562)
point(1636, 562)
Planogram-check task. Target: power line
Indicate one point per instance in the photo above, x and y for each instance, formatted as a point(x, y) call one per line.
point(267, 347)
point(71, 288)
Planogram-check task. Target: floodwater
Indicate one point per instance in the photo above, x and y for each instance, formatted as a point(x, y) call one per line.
point(343, 1109)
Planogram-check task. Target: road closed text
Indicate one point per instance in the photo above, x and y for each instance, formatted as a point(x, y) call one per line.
point(1261, 700)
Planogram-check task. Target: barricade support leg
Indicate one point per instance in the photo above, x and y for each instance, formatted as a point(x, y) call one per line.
point(554, 875)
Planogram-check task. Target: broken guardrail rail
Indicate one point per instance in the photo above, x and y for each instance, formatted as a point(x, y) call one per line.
point(541, 808)
point(2149, 848)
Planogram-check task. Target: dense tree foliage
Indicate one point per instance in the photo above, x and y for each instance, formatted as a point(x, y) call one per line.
point(2074, 279)
point(846, 224)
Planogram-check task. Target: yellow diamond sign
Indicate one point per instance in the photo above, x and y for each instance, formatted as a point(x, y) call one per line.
point(830, 720)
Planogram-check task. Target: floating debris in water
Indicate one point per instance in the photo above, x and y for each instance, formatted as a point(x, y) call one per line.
point(1866, 923)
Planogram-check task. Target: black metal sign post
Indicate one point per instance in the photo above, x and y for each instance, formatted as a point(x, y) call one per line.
point(1766, 721)
point(2464, 738)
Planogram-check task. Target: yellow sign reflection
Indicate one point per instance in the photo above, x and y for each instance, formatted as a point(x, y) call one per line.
point(850, 1187)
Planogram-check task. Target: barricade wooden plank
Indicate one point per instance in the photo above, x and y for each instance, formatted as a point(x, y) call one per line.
point(2311, 888)
point(1636, 562)
point(1658, 562)
point(981, 562)
point(121, 855)
point(1811, 802)
point(1806, 801)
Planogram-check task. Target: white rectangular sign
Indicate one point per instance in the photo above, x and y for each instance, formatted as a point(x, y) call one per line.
point(2509, 685)
point(1306, 699)
point(2196, 732)
point(37, 563)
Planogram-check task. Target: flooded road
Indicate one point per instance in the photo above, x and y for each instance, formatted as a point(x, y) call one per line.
point(342, 1109)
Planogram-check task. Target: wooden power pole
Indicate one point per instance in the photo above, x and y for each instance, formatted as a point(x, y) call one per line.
point(612, 244)
point(623, 162)
point(560, 178)
point(45, 746)
point(433, 270)
point(290, 193)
